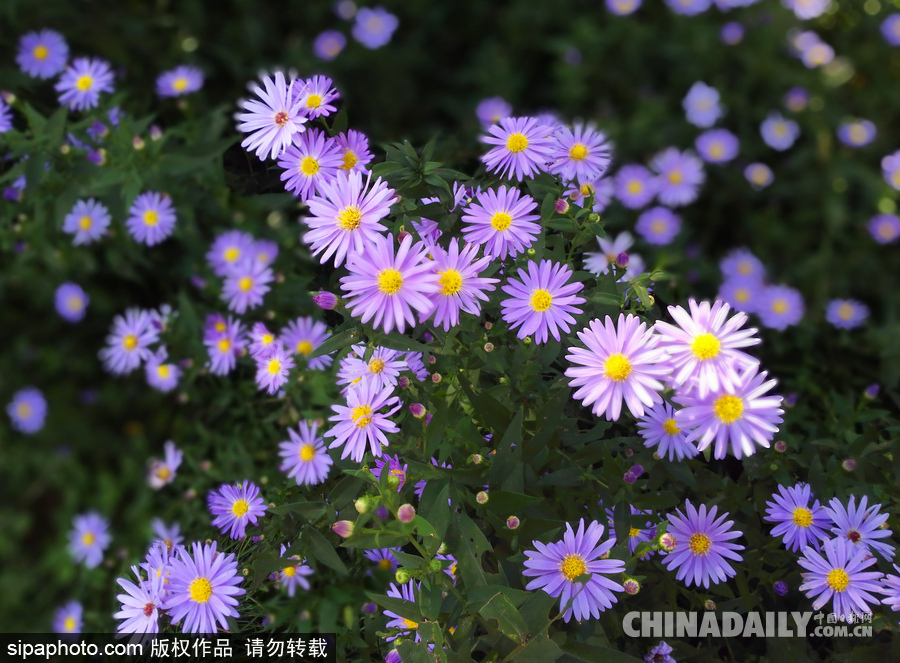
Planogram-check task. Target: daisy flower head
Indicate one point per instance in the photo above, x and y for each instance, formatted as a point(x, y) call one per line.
point(140, 604)
point(890, 29)
point(742, 292)
point(246, 284)
point(27, 410)
point(5, 117)
point(203, 589)
point(598, 263)
point(658, 225)
point(779, 133)
point(658, 428)
point(799, 521)
point(374, 27)
point(383, 367)
point(388, 288)
point(890, 169)
point(780, 307)
point(88, 221)
point(736, 418)
point(179, 81)
point(885, 228)
point(360, 423)
point(491, 110)
point(522, 148)
point(394, 466)
point(345, 214)
point(759, 175)
point(228, 249)
point(601, 189)
point(861, 526)
point(796, 99)
point(82, 82)
point(636, 535)
point(703, 346)
point(581, 154)
point(817, 55)
point(42, 54)
point(503, 221)
point(846, 313)
point(89, 538)
point(162, 375)
point(236, 506)
point(272, 371)
point(661, 653)
point(265, 251)
point(151, 218)
point(837, 574)
point(542, 300)
point(223, 339)
point(416, 364)
point(689, 7)
point(732, 32)
point(857, 133)
point(271, 121)
point(311, 158)
point(554, 568)
point(806, 9)
point(741, 262)
point(305, 458)
point(315, 96)
point(679, 177)
point(128, 342)
point(620, 362)
point(354, 150)
point(168, 535)
point(158, 560)
point(329, 44)
point(71, 302)
point(383, 558)
point(635, 186)
point(701, 105)
point(407, 628)
point(461, 287)
point(304, 335)
point(294, 575)
point(68, 618)
point(704, 546)
point(717, 145)
point(162, 472)
point(623, 7)
point(262, 341)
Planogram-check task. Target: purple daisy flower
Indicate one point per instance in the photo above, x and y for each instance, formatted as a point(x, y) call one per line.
point(27, 410)
point(890, 30)
point(89, 538)
point(503, 221)
point(162, 472)
point(635, 186)
point(680, 175)
point(354, 149)
point(858, 133)
point(742, 292)
point(490, 111)
point(717, 146)
point(262, 341)
point(312, 158)
point(796, 99)
point(202, 589)
point(162, 375)
point(890, 169)
point(817, 55)
point(661, 653)
point(395, 469)
point(265, 252)
point(151, 218)
point(416, 365)
point(780, 307)
point(623, 7)
point(738, 416)
point(42, 54)
point(461, 287)
point(838, 576)
point(658, 225)
point(618, 363)
point(315, 96)
point(236, 506)
point(305, 458)
point(388, 288)
point(598, 263)
point(806, 9)
point(689, 7)
point(228, 249)
point(636, 535)
point(885, 228)
point(861, 526)
point(246, 284)
point(524, 146)
point(579, 155)
point(374, 27)
point(601, 189)
point(658, 428)
point(732, 33)
point(360, 424)
point(846, 313)
point(68, 618)
point(271, 122)
point(88, 220)
point(701, 105)
point(345, 214)
point(304, 335)
point(779, 133)
point(140, 604)
point(71, 302)
point(541, 300)
point(407, 627)
point(799, 523)
point(168, 535)
point(223, 340)
point(383, 367)
point(128, 342)
point(82, 82)
point(741, 262)
point(272, 371)
point(554, 568)
point(180, 81)
point(759, 175)
point(293, 576)
point(329, 44)
point(703, 546)
point(383, 557)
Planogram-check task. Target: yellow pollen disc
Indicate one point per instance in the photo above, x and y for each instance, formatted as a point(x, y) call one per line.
point(84, 83)
point(231, 255)
point(451, 282)
point(895, 178)
point(130, 342)
point(313, 101)
point(617, 367)
point(780, 129)
point(224, 345)
point(745, 268)
point(728, 408)
point(151, 218)
point(23, 410)
point(633, 532)
point(200, 590)
point(838, 580)
point(267, 338)
point(281, 118)
point(376, 366)
point(274, 366)
point(884, 228)
point(780, 306)
point(705, 346)
point(845, 311)
point(758, 176)
point(500, 221)
point(716, 150)
point(578, 152)
point(857, 134)
point(289, 571)
point(361, 415)
point(304, 347)
point(699, 543)
point(179, 84)
point(349, 160)
point(540, 300)
point(658, 227)
point(309, 166)
point(88, 538)
point(73, 303)
point(742, 295)
point(307, 453)
point(586, 190)
point(85, 223)
point(349, 218)
point(240, 507)
point(390, 281)
point(40, 52)
point(410, 624)
point(245, 283)
point(802, 517)
point(671, 427)
point(163, 473)
point(385, 565)
point(572, 566)
point(675, 177)
point(69, 624)
point(516, 142)
point(635, 186)
point(162, 370)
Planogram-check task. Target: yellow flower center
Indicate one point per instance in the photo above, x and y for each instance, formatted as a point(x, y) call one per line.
point(309, 166)
point(451, 282)
point(349, 218)
point(617, 367)
point(245, 283)
point(200, 590)
point(780, 306)
point(541, 300)
point(390, 281)
point(410, 624)
point(572, 566)
point(361, 415)
point(857, 134)
point(845, 311)
point(313, 101)
point(307, 453)
point(745, 267)
point(40, 52)
point(699, 543)
point(705, 346)
point(220, 326)
point(780, 129)
point(85, 223)
point(130, 342)
point(671, 427)
point(838, 580)
point(500, 221)
point(289, 571)
point(240, 507)
point(84, 83)
point(88, 538)
point(150, 217)
point(516, 142)
point(179, 84)
point(675, 177)
point(385, 565)
point(224, 345)
point(716, 150)
point(281, 118)
point(163, 473)
point(162, 371)
point(728, 408)
point(802, 517)
point(742, 295)
point(635, 187)
point(232, 254)
point(895, 178)
point(304, 347)
point(69, 624)
point(349, 160)
point(23, 410)
point(586, 190)
point(633, 532)
point(376, 366)
point(578, 152)
point(658, 227)
point(758, 175)
point(274, 366)
point(73, 303)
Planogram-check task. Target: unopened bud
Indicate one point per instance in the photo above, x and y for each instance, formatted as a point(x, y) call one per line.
point(482, 497)
point(403, 235)
point(343, 528)
point(849, 464)
point(417, 410)
point(512, 522)
point(710, 604)
point(393, 481)
point(622, 260)
point(369, 608)
point(436, 378)
point(561, 206)
point(406, 513)
point(363, 504)
point(65, 148)
point(781, 588)
point(872, 391)
point(631, 586)
point(488, 347)
point(594, 218)
point(428, 337)
point(138, 143)
point(488, 325)
point(476, 459)
point(432, 360)
point(668, 542)
point(629, 478)
point(8, 97)
point(382, 511)
point(155, 132)
point(435, 566)
point(780, 446)
point(530, 252)
point(402, 576)
point(325, 300)
point(403, 382)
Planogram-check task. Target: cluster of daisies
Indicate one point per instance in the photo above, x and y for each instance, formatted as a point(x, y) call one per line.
point(373, 27)
point(803, 9)
point(151, 219)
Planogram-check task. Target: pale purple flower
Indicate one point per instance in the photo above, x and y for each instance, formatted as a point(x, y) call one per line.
point(837, 575)
point(406, 627)
point(71, 302)
point(462, 289)
point(846, 313)
point(689, 7)
point(374, 27)
point(759, 175)
point(658, 428)
point(329, 44)
point(151, 218)
point(796, 99)
point(88, 221)
point(799, 522)
point(262, 341)
point(223, 340)
point(82, 82)
point(857, 133)
point(780, 307)
point(503, 221)
point(717, 145)
point(779, 133)
point(598, 263)
point(89, 538)
point(523, 148)
point(272, 121)
point(272, 371)
point(658, 225)
point(305, 458)
point(161, 374)
point(179, 81)
point(704, 546)
point(359, 424)
point(885, 228)
point(68, 618)
point(581, 154)
point(490, 111)
point(162, 472)
point(861, 526)
point(42, 54)
point(890, 169)
point(890, 29)
point(542, 300)
point(679, 177)
point(661, 653)
point(315, 96)
point(27, 410)
point(383, 367)
point(304, 335)
point(293, 576)
point(311, 159)
point(601, 189)
point(701, 105)
point(806, 9)
point(741, 262)
point(140, 604)
point(394, 466)
point(228, 249)
point(635, 186)
point(743, 293)
point(168, 535)
point(354, 149)
point(234, 507)
point(732, 33)
point(5, 117)
point(623, 7)
point(128, 341)
point(246, 284)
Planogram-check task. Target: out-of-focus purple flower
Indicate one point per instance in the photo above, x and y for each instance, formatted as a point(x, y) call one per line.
point(329, 44)
point(71, 302)
point(701, 105)
point(858, 133)
point(491, 110)
point(374, 27)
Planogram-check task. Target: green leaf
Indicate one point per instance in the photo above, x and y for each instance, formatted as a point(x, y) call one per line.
point(411, 652)
point(540, 649)
point(406, 609)
point(322, 550)
point(373, 538)
point(306, 510)
point(505, 502)
point(593, 653)
point(337, 342)
point(509, 621)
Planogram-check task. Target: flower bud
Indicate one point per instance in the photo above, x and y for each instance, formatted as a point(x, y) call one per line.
point(488, 325)
point(343, 528)
point(432, 360)
point(363, 504)
point(637, 470)
point(155, 132)
point(668, 542)
point(527, 340)
point(790, 400)
point(780, 446)
point(530, 253)
point(435, 566)
point(402, 576)
point(781, 588)
point(622, 260)
point(849, 464)
point(393, 481)
point(406, 513)
point(629, 478)
point(631, 586)
point(65, 148)
point(512, 522)
point(417, 410)
point(476, 459)
point(594, 218)
point(382, 511)
point(8, 97)
point(369, 608)
point(326, 300)
point(561, 206)
point(403, 382)
point(872, 390)
point(428, 337)
point(402, 235)
point(138, 143)
point(710, 604)
point(436, 378)
point(488, 347)
point(629, 453)
point(482, 497)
